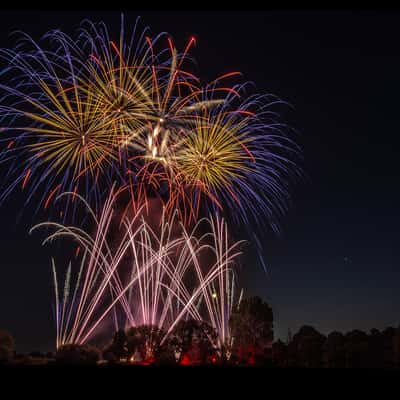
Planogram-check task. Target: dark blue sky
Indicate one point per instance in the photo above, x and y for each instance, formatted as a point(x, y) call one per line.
point(336, 266)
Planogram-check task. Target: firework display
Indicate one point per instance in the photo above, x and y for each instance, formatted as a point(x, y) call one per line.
point(154, 278)
point(88, 112)
point(89, 119)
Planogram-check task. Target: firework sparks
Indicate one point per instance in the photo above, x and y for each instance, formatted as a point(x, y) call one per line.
point(91, 118)
point(97, 110)
point(164, 283)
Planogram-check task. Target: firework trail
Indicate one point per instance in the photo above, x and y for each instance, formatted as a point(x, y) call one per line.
point(166, 280)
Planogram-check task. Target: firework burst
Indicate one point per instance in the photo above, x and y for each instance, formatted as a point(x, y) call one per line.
point(95, 111)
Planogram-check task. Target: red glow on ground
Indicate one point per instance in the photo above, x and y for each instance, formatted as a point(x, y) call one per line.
point(148, 361)
point(214, 359)
point(251, 360)
point(185, 360)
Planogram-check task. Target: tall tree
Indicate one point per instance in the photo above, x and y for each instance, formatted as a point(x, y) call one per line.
point(396, 348)
point(388, 337)
point(334, 350)
point(356, 349)
point(193, 341)
point(280, 353)
point(375, 349)
point(252, 325)
point(118, 347)
point(307, 345)
point(145, 339)
point(6, 346)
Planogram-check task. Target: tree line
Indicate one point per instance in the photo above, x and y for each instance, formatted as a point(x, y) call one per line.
point(194, 342)
point(355, 349)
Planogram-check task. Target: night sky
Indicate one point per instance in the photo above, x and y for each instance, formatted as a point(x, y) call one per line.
point(336, 265)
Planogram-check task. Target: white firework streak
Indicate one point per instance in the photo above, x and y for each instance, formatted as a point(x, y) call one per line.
point(166, 280)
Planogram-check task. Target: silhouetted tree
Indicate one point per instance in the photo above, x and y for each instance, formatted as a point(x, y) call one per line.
point(307, 344)
point(145, 339)
point(6, 347)
point(334, 351)
point(375, 356)
point(396, 348)
point(193, 341)
point(280, 353)
point(77, 354)
point(388, 337)
point(118, 347)
point(356, 345)
point(165, 356)
point(252, 326)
